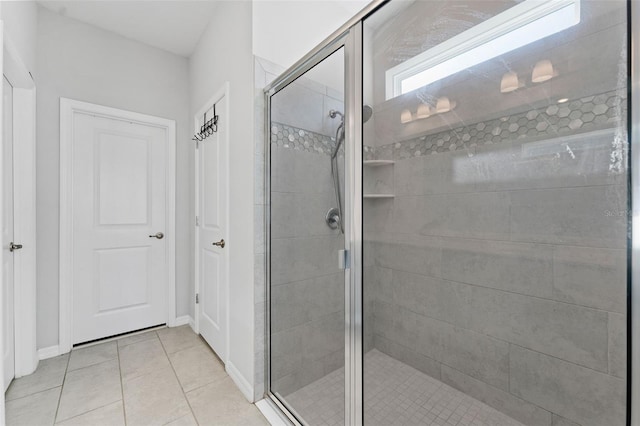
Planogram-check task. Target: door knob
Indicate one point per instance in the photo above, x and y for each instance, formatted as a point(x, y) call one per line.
point(14, 247)
point(220, 244)
point(159, 236)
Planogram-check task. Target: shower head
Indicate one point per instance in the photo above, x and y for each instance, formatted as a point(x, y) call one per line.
point(367, 112)
point(334, 112)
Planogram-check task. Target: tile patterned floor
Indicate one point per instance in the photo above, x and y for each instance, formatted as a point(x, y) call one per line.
point(163, 377)
point(395, 394)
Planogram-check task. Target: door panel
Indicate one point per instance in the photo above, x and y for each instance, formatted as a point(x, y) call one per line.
point(212, 228)
point(211, 303)
point(119, 203)
point(306, 284)
point(122, 278)
point(123, 180)
point(7, 234)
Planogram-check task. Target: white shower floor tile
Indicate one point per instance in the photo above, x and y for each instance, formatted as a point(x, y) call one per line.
point(395, 394)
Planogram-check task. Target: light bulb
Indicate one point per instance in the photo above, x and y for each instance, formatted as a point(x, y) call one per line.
point(443, 105)
point(509, 82)
point(405, 116)
point(543, 71)
point(424, 111)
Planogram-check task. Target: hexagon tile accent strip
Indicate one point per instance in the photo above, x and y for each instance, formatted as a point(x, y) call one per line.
point(284, 136)
point(602, 111)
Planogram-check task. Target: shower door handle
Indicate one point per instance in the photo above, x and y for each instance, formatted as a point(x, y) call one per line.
point(344, 259)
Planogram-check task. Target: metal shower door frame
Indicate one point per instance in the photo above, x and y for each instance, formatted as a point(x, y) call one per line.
point(633, 296)
point(351, 40)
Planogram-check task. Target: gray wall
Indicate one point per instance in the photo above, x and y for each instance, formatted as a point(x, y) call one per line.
point(224, 54)
point(307, 288)
point(82, 62)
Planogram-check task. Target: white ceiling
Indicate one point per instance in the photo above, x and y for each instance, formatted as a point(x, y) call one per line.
point(174, 26)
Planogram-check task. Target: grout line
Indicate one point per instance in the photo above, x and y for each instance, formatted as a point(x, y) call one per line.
point(89, 366)
point(31, 393)
point(124, 410)
point(64, 380)
point(184, 394)
point(90, 411)
point(485, 287)
point(34, 394)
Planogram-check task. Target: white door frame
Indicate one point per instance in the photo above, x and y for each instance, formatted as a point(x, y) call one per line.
point(68, 108)
point(223, 92)
point(24, 207)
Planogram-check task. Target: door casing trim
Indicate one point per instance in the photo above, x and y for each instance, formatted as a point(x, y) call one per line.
point(68, 108)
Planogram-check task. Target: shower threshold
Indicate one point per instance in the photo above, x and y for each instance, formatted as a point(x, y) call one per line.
point(395, 394)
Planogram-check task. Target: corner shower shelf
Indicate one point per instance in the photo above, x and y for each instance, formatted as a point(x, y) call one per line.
point(378, 196)
point(377, 163)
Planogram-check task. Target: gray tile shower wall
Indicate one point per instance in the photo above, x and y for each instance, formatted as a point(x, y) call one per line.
point(500, 265)
point(307, 288)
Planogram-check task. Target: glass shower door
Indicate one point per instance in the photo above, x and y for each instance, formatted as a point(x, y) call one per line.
point(307, 208)
point(496, 213)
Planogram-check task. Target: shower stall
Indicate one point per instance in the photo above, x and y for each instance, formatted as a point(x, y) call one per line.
point(449, 217)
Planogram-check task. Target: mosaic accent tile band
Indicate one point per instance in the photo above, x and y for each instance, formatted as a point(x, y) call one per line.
point(285, 136)
point(580, 115)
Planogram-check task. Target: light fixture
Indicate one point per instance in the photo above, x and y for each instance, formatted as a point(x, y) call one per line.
point(518, 26)
point(424, 111)
point(509, 82)
point(444, 105)
point(563, 100)
point(405, 116)
point(543, 71)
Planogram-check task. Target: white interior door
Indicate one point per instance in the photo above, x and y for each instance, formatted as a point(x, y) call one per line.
point(212, 227)
point(8, 335)
point(119, 208)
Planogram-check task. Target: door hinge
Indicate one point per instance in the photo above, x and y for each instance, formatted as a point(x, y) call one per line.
point(197, 298)
point(197, 221)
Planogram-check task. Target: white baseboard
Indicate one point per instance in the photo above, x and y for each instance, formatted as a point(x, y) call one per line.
point(50, 352)
point(242, 383)
point(192, 324)
point(271, 413)
point(183, 320)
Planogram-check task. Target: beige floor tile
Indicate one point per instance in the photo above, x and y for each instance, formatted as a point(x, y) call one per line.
point(89, 388)
point(109, 415)
point(48, 375)
point(250, 417)
point(142, 358)
point(221, 403)
point(38, 409)
point(92, 355)
point(135, 338)
point(154, 399)
point(196, 367)
point(178, 338)
point(187, 420)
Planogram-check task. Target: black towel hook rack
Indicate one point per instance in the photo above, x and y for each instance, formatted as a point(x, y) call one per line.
point(208, 128)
